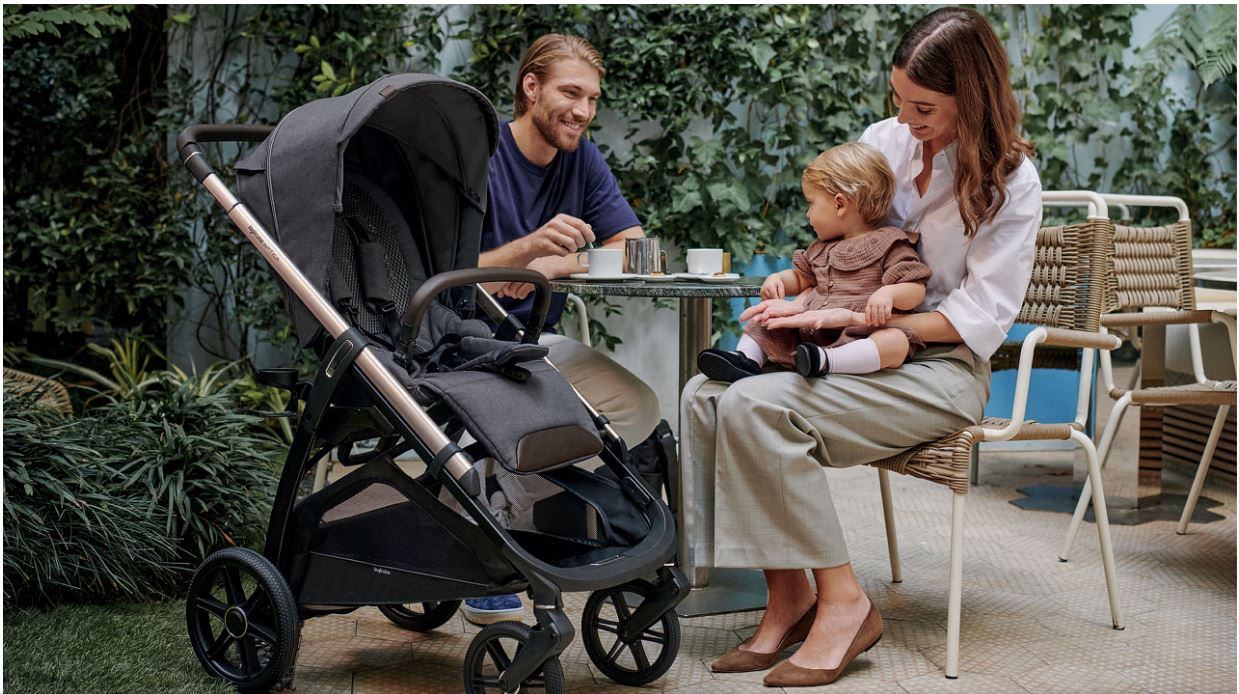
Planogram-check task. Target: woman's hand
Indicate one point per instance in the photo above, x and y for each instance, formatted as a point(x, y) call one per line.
point(779, 309)
point(880, 307)
point(820, 319)
point(773, 287)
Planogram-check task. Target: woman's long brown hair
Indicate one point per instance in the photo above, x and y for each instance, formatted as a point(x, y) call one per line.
point(954, 51)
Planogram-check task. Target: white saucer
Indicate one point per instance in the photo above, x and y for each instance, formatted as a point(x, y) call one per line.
point(715, 279)
point(656, 278)
point(602, 278)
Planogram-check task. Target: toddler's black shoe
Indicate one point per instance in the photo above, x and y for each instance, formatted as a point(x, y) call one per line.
point(726, 366)
point(810, 361)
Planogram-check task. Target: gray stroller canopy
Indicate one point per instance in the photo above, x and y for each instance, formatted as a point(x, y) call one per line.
point(426, 140)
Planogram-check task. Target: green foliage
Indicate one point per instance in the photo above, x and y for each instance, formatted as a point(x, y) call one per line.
point(73, 528)
point(90, 243)
point(708, 116)
point(92, 19)
point(117, 501)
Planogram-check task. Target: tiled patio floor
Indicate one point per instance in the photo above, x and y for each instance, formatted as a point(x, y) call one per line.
point(1030, 623)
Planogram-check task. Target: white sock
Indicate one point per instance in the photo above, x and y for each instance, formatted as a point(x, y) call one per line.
point(859, 357)
point(749, 348)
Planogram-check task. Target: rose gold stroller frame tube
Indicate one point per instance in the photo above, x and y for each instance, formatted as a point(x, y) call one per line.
point(371, 368)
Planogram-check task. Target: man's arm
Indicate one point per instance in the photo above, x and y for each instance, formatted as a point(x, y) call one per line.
point(554, 267)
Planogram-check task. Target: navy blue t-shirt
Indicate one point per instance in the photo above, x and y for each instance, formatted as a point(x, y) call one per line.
point(523, 196)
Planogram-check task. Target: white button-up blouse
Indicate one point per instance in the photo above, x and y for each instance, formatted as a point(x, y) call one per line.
point(979, 282)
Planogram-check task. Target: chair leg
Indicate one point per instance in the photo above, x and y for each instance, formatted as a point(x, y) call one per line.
point(1202, 471)
point(888, 512)
point(1103, 453)
point(1103, 526)
point(957, 583)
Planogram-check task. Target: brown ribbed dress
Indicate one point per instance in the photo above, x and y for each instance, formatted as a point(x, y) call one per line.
point(845, 273)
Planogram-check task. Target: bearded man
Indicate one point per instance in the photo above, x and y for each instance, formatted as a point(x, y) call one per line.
point(550, 194)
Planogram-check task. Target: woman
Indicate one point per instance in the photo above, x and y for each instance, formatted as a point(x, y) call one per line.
point(764, 444)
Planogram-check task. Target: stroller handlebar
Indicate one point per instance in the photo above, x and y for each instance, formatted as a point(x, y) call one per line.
point(415, 312)
point(191, 154)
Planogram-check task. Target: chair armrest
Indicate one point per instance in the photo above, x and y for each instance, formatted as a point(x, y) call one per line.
point(1117, 320)
point(1061, 337)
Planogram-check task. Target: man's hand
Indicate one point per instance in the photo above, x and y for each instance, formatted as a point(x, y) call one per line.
point(520, 290)
point(880, 307)
point(820, 319)
point(773, 287)
point(562, 235)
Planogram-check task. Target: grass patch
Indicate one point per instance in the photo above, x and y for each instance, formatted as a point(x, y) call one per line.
point(124, 648)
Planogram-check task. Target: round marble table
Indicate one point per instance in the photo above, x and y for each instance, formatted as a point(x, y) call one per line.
point(695, 297)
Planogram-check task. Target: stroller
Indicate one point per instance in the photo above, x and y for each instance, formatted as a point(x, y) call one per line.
point(368, 208)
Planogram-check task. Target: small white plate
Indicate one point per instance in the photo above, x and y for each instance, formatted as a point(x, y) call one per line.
point(602, 278)
point(715, 279)
point(656, 278)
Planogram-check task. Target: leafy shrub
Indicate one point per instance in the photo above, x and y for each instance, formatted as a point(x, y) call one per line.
point(73, 527)
point(121, 501)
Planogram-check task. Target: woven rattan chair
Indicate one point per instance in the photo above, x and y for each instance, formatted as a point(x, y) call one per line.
point(1152, 268)
point(1064, 302)
point(52, 394)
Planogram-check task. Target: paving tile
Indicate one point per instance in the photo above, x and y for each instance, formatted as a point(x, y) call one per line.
point(1180, 677)
point(354, 654)
point(1073, 680)
point(1096, 654)
point(988, 656)
point(308, 679)
point(970, 682)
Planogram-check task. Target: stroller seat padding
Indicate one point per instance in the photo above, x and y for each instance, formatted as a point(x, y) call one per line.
point(530, 426)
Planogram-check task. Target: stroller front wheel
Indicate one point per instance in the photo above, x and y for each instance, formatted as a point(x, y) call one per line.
point(636, 661)
point(242, 620)
point(420, 616)
point(491, 653)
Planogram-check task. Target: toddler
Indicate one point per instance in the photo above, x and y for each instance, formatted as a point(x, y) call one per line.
point(853, 277)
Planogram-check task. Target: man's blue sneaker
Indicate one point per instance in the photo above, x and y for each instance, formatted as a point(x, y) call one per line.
point(496, 608)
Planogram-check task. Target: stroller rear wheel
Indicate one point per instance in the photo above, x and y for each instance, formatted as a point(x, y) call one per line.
point(420, 616)
point(242, 620)
point(491, 653)
point(641, 659)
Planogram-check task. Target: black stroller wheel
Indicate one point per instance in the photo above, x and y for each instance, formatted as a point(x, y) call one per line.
point(638, 661)
point(242, 620)
point(420, 616)
point(493, 650)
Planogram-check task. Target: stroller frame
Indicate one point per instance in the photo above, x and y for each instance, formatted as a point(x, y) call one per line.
point(402, 424)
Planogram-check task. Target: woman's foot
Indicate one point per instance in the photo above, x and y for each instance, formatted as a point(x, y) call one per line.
point(844, 630)
point(774, 635)
point(720, 365)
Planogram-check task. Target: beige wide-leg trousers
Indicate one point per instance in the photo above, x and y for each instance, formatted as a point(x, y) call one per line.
point(757, 454)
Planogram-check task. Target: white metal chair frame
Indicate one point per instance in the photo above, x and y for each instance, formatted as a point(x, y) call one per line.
point(1123, 397)
point(1020, 428)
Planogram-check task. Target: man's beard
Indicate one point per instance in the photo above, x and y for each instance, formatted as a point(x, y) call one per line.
point(549, 128)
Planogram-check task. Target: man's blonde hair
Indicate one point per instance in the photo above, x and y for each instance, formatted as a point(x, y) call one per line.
point(544, 53)
point(859, 173)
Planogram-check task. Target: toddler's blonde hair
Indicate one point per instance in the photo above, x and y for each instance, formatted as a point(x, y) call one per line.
point(859, 173)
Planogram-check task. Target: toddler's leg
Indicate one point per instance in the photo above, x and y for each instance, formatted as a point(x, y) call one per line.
point(749, 348)
point(730, 367)
point(881, 350)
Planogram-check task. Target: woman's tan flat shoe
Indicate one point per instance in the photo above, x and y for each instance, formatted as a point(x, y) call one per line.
point(739, 660)
point(788, 674)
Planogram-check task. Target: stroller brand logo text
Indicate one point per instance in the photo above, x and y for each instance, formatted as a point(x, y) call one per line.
point(258, 239)
point(380, 570)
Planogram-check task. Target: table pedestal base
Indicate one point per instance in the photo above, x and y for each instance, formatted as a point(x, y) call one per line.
point(729, 590)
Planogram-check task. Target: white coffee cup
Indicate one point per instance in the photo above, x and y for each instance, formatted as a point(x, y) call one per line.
point(603, 262)
point(705, 261)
